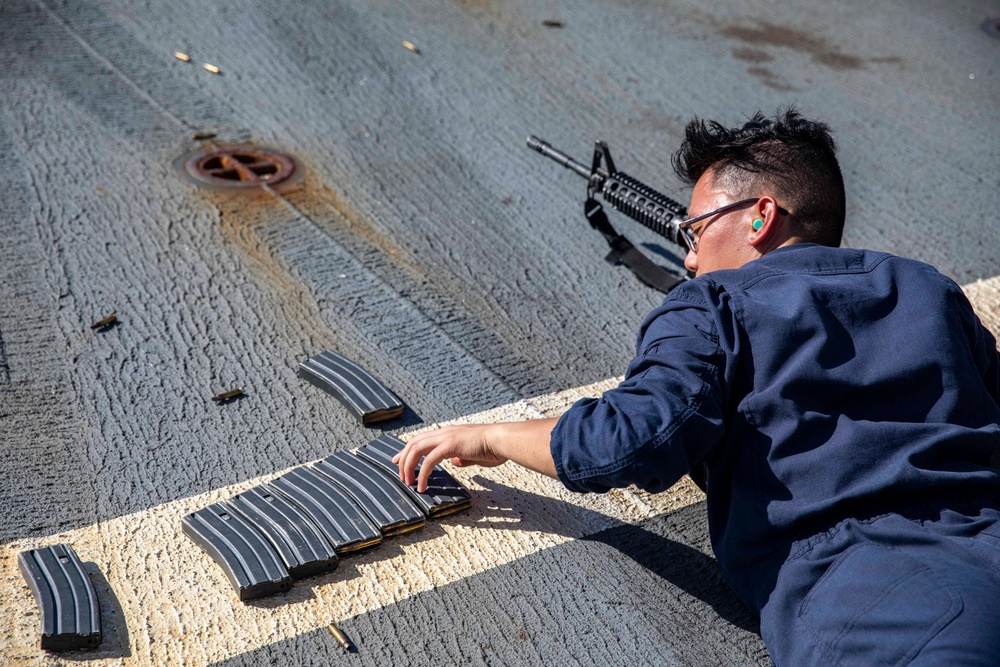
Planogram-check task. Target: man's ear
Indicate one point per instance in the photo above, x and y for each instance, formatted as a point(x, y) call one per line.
point(763, 221)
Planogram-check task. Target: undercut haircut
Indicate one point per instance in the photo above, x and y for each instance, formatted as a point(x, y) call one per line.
point(793, 158)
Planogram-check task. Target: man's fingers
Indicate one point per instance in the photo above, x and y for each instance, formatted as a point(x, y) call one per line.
point(410, 456)
point(435, 457)
point(409, 462)
point(460, 443)
point(400, 460)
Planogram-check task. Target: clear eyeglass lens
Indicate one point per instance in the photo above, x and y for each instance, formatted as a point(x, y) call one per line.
point(691, 236)
point(691, 240)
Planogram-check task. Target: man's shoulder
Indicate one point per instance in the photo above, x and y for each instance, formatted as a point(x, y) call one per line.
point(806, 261)
point(793, 271)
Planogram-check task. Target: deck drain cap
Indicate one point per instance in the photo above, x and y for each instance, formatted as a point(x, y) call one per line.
point(238, 167)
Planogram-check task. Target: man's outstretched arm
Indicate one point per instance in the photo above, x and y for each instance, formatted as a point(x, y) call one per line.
point(525, 443)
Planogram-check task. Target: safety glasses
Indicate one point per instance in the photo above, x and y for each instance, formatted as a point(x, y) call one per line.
point(691, 234)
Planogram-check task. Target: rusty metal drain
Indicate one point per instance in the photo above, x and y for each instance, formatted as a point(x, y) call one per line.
point(238, 167)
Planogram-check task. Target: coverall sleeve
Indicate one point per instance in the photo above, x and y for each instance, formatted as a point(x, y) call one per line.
point(982, 344)
point(990, 365)
point(662, 419)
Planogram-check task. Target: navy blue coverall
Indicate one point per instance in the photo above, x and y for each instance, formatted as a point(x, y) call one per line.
point(842, 407)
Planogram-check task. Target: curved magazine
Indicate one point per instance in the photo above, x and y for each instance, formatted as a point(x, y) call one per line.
point(248, 560)
point(369, 399)
point(299, 542)
point(71, 613)
point(444, 495)
point(342, 521)
point(388, 505)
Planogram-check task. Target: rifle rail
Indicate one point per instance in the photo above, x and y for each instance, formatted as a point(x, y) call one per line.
point(624, 193)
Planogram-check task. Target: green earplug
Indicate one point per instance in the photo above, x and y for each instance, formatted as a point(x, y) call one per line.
point(757, 224)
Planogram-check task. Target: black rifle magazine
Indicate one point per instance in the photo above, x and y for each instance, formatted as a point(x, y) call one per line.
point(342, 520)
point(362, 394)
point(246, 557)
point(71, 612)
point(299, 542)
point(389, 506)
point(444, 495)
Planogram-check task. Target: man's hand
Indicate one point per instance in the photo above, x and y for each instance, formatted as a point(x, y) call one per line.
point(463, 444)
point(525, 443)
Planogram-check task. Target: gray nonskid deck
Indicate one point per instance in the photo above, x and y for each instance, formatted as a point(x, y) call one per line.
point(427, 244)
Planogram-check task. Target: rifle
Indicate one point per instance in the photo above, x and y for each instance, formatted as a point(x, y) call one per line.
point(632, 197)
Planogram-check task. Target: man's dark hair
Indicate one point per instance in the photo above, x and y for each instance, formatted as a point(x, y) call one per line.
point(793, 156)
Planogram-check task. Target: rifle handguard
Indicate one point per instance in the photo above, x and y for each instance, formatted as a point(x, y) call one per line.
point(624, 193)
point(644, 205)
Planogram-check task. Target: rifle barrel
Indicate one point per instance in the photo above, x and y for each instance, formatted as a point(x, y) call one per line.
point(548, 151)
